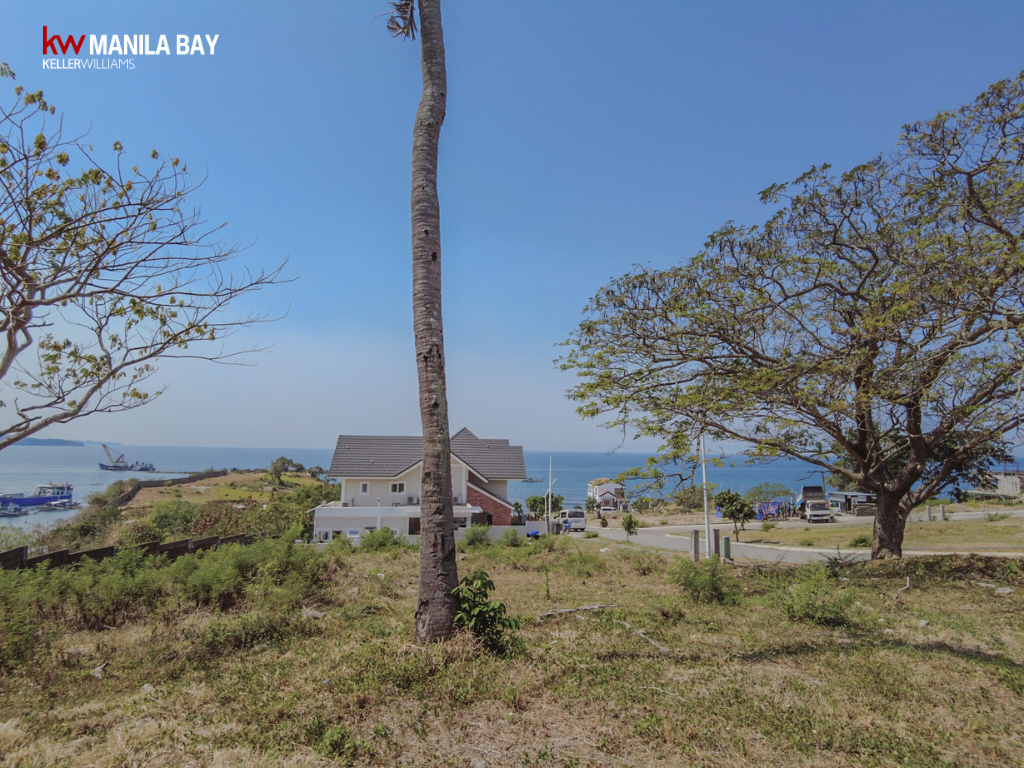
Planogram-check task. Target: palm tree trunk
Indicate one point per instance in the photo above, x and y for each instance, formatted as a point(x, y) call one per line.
point(435, 605)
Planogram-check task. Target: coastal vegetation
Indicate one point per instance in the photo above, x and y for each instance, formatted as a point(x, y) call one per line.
point(285, 654)
point(871, 326)
point(234, 503)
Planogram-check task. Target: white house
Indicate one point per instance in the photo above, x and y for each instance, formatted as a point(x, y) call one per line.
point(610, 496)
point(380, 483)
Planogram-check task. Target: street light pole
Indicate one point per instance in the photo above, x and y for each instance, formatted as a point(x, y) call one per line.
point(707, 518)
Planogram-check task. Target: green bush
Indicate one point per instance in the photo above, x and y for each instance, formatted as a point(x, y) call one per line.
point(339, 742)
point(861, 541)
point(482, 616)
point(590, 535)
point(604, 521)
point(816, 599)
point(381, 539)
point(767, 525)
point(510, 538)
point(995, 517)
point(476, 536)
point(706, 582)
point(806, 542)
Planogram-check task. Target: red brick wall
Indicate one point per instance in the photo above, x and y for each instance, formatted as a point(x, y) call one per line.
point(501, 514)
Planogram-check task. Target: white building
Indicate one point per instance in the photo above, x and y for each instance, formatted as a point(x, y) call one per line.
point(380, 483)
point(610, 496)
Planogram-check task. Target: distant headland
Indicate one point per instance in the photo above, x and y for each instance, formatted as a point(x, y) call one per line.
point(50, 441)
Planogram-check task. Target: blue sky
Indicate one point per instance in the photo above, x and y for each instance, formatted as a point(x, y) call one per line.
point(581, 138)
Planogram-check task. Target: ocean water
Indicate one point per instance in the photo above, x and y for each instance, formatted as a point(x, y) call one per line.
point(23, 468)
point(573, 470)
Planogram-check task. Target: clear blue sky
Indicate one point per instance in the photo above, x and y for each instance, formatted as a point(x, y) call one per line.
point(581, 138)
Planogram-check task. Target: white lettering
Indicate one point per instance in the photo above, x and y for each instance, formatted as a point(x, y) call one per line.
point(97, 46)
point(197, 44)
point(212, 42)
point(131, 44)
point(161, 45)
point(182, 45)
point(115, 44)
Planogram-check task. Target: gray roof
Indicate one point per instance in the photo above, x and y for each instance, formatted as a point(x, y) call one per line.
point(386, 456)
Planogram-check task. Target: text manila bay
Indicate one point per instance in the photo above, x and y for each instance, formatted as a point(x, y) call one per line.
point(124, 45)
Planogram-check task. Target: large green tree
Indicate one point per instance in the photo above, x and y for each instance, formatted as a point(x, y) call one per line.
point(435, 604)
point(879, 312)
point(105, 269)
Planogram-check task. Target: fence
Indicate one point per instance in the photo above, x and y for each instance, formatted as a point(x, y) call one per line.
point(14, 559)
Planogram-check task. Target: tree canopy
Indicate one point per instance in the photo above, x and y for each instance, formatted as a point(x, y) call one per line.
point(104, 270)
point(878, 311)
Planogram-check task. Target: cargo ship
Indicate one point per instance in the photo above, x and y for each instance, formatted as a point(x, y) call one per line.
point(120, 464)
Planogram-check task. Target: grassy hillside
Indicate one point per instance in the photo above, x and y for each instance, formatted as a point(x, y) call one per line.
point(284, 655)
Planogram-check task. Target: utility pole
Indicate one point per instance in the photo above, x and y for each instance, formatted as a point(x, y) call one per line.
point(707, 518)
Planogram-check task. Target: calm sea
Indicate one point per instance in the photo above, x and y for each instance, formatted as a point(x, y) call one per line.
point(23, 468)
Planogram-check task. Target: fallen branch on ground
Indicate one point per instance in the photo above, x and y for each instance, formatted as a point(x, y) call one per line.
point(559, 611)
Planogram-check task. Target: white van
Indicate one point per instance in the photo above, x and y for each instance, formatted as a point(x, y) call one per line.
point(577, 519)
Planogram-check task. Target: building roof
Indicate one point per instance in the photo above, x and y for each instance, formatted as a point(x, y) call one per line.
point(390, 456)
point(601, 481)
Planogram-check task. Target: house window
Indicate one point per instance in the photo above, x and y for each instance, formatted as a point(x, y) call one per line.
point(398, 487)
point(364, 488)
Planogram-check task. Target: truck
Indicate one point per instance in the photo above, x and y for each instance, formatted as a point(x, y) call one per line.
point(814, 505)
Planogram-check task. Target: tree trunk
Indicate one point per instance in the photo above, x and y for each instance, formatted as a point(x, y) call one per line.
point(435, 605)
point(889, 527)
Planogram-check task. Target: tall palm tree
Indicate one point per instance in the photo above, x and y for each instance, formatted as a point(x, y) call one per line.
point(435, 604)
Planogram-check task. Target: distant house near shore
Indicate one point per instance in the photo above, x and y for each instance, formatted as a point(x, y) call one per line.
point(609, 495)
point(380, 483)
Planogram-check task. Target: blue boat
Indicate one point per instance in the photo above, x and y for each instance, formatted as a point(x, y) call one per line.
point(15, 503)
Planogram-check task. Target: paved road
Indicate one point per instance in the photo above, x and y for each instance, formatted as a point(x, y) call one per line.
point(677, 539)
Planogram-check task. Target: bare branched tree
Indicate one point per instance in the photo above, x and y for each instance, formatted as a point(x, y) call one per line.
point(103, 272)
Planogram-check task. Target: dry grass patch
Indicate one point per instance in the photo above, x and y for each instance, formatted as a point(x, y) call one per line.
point(738, 684)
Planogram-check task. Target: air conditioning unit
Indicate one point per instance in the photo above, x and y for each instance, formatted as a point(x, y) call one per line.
point(455, 499)
point(409, 501)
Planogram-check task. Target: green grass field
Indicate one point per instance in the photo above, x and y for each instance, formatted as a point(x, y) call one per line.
point(1006, 535)
point(216, 664)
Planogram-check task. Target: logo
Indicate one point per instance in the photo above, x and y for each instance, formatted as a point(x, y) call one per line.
point(58, 50)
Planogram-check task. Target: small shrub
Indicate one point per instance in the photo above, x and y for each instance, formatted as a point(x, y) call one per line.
point(581, 564)
point(483, 617)
point(995, 517)
point(339, 742)
point(590, 535)
point(476, 536)
point(381, 539)
point(705, 582)
point(630, 525)
point(647, 563)
point(861, 541)
point(604, 522)
point(816, 599)
point(510, 538)
point(767, 525)
point(806, 542)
